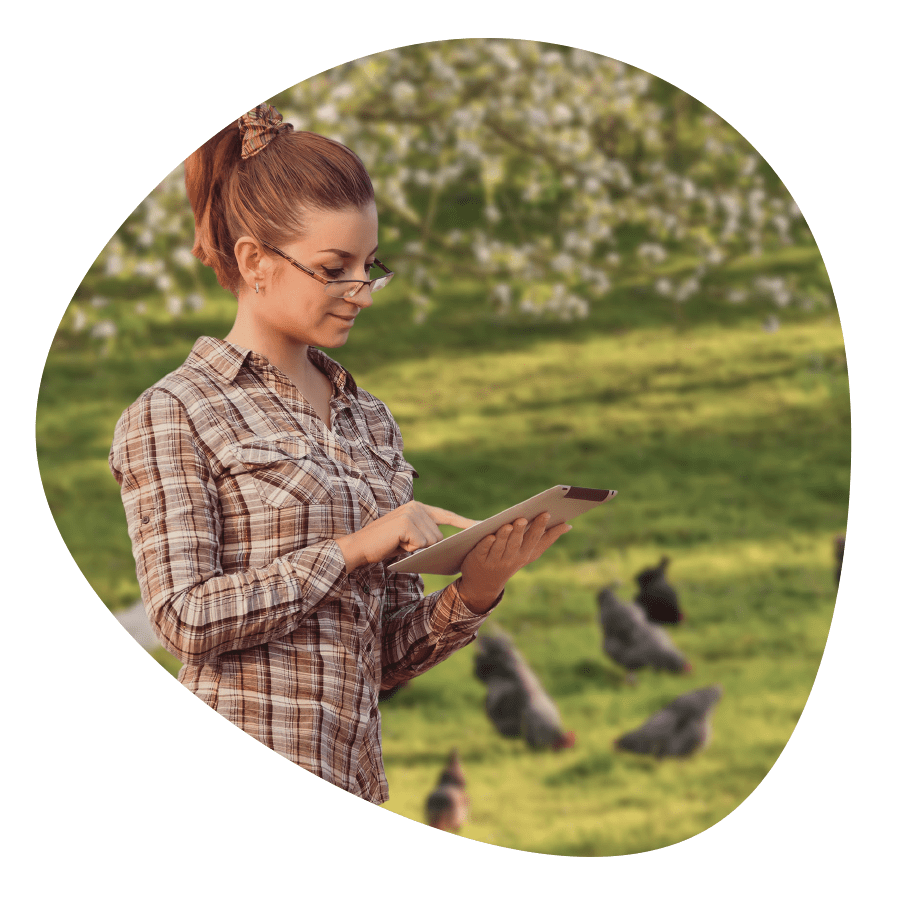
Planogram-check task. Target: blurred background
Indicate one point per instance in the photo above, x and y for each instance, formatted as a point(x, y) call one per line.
point(599, 283)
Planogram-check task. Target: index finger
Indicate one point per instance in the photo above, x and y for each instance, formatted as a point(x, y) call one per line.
point(446, 517)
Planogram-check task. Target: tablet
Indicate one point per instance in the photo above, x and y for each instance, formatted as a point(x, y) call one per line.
point(563, 502)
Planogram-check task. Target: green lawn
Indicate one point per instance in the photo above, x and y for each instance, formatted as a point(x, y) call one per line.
point(730, 447)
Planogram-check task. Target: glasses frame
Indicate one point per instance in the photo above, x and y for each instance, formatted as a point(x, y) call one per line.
point(388, 274)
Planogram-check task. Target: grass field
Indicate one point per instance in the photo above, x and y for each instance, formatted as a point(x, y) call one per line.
point(729, 445)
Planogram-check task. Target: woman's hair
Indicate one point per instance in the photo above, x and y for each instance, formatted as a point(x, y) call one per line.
point(266, 195)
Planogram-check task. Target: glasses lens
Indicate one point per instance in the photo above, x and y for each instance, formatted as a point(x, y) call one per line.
point(347, 289)
point(379, 283)
point(339, 289)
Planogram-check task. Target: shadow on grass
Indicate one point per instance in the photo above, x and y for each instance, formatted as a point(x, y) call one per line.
point(595, 766)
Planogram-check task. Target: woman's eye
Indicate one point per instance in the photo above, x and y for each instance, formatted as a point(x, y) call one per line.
point(368, 267)
point(333, 273)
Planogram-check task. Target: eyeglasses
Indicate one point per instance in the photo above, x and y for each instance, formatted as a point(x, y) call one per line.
point(345, 288)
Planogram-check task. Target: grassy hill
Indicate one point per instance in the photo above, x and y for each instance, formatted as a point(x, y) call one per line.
point(729, 445)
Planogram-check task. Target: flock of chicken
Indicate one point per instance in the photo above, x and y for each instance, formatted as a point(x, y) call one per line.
point(519, 707)
point(632, 636)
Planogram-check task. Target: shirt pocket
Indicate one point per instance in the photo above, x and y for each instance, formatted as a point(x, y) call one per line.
point(283, 471)
point(397, 473)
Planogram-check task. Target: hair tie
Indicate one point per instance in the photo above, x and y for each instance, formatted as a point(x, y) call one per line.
point(260, 126)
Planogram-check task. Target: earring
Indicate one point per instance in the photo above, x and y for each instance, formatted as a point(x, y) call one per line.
point(257, 287)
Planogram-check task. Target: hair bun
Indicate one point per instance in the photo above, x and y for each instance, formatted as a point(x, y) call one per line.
point(260, 126)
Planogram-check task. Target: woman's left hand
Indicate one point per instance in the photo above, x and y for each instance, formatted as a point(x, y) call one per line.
point(497, 557)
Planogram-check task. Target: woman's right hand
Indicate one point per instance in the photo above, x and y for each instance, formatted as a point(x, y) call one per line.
point(410, 527)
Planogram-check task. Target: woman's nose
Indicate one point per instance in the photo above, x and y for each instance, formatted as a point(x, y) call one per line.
point(363, 297)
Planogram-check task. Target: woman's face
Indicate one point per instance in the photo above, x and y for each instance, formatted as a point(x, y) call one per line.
point(337, 245)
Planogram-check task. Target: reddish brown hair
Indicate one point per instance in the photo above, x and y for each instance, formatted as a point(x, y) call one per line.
point(266, 195)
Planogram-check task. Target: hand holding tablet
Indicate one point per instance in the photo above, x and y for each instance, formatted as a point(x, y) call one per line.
point(563, 502)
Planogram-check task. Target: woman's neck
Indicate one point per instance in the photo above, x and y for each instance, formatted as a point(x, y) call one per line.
point(293, 361)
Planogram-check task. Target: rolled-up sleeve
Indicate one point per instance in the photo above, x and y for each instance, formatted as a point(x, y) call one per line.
point(173, 514)
point(419, 632)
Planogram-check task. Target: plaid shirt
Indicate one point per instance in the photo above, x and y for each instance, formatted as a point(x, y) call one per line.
point(234, 491)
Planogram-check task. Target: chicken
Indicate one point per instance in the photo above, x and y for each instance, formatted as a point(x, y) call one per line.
point(516, 702)
point(633, 642)
point(679, 729)
point(656, 596)
point(839, 540)
point(447, 806)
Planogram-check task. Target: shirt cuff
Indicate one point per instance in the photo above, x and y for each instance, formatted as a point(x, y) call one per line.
point(450, 613)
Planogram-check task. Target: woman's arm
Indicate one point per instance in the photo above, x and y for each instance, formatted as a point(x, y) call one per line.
point(172, 508)
point(418, 634)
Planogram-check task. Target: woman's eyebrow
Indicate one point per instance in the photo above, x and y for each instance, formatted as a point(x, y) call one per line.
point(343, 253)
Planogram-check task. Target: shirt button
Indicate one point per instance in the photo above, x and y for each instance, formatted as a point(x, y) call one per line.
point(146, 519)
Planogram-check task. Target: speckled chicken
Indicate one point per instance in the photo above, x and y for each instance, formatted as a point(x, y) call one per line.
point(656, 596)
point(447, 806)
point(681, 728)
point(633, 642)
point(516, 702)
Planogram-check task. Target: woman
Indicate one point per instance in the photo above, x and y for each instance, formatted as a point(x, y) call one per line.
point(265, 492)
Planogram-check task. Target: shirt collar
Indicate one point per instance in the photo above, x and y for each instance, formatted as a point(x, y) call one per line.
point(341, 379)
point(227, 360)
point(223, 358)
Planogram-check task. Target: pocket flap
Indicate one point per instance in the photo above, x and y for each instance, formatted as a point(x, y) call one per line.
point(258, 452)
point(393, 459)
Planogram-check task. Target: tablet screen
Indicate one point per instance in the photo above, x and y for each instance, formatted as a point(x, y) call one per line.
point(563, 502)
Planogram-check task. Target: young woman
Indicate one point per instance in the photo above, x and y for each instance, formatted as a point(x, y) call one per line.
point(265, 492)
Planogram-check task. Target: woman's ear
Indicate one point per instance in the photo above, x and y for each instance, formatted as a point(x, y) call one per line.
point(253, 262)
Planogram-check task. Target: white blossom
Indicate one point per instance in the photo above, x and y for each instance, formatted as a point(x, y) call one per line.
point(652, 253)
point(663, 286)
point(184, 258)
point(714, 255)
point(403, 92)
point(775, 287)
point(104, 329)
point(328, 113)
point(501, 296)
point(530, 121)
point(562, 262)
point(686, 289)
point(115, 265)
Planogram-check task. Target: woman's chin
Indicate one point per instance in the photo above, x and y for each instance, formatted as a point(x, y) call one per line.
point(337, 340)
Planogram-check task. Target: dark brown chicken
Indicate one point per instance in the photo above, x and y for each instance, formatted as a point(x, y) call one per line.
point(679, 729)
point(839, 541)
point(656, 596)
point(447, 806)
point(516, 702)
point(633, 642)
